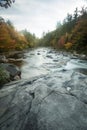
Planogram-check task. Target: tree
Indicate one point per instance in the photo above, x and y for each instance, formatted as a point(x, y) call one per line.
point(11, 39)
point(83, 10)
point(31, 38)
point(72, 34)
point(58, 25)
point(1, 20)
point(6, 3)
point(9, 23)
point(5, 39)
point(69, 17)
point(76, 15)
point(79, 35)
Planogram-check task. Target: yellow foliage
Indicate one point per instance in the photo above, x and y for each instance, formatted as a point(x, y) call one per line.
point(68, 45)
point(11, 39)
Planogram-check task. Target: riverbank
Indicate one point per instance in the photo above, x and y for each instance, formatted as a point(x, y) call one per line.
point(33, 62)
point(49, 102)
point(51, 94)
point(9, 69)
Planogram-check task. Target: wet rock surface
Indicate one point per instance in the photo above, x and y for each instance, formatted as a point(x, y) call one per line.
point(55, 100)
point(3, 59)
point(13, 70)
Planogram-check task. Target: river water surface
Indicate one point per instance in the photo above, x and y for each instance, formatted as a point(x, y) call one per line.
point(42, 61)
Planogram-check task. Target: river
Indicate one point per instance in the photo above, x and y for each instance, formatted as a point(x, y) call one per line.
point(52, 94)
point(46, 60)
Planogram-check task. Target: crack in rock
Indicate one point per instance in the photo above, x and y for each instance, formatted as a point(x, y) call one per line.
point(45, 104)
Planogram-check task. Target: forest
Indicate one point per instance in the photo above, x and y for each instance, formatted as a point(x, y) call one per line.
point(43, 81)
point(11, 39)
point(70, 35)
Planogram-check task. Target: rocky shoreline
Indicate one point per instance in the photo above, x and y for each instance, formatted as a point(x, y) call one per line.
point(9, 70)
point(45, 103)
point(9, 61)
point(55, 100)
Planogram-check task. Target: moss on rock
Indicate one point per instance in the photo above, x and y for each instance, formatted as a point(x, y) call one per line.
point(4, 76)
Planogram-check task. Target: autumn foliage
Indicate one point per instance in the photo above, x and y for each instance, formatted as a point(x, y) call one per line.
point(11, 39)
point(79, 35)
point(71, 34)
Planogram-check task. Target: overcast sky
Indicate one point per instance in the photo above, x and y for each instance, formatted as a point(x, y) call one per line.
point(39, 16)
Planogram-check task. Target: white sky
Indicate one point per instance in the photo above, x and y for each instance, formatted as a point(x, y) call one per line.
point(39, 16)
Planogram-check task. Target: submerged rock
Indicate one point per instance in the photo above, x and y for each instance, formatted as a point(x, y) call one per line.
point(38, 53)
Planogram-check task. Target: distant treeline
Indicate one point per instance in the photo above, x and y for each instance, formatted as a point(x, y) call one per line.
point(11, 39)
point(71, 34)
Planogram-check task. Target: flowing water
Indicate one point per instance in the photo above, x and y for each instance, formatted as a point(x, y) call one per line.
point(45, 60)
point(51, 95)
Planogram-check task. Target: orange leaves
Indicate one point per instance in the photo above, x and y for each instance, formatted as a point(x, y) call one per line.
point(11, 39)
point(61, 41)
point(68, 45)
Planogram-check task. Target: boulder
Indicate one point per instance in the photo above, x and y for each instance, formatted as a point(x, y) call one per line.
point(38, 53)
point(15, 55)
point(80, 56)
point(3, 59)
point(49, 56)
point(13, 70)
point(83, 57)
point(56, 110)
point(57, 101)
point(17, 62)
point(4, 76)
